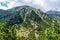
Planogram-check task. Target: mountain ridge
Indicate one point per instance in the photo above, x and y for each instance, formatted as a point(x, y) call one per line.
point(25, 15)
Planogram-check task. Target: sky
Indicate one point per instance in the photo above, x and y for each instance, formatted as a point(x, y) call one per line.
point(44, 5)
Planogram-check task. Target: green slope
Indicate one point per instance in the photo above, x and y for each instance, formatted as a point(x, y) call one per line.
point(26, 16)
point(19, 22)
point(24, 13)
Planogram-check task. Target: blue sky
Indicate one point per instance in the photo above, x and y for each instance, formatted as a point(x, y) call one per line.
point(5, 4)
point(44, 5)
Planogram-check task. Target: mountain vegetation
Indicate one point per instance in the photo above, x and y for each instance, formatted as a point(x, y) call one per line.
point(28, 23)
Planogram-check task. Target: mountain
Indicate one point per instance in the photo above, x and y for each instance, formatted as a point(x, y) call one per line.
point(28, 23)
point(22, 13)
point(54, 14)
point(26, 16)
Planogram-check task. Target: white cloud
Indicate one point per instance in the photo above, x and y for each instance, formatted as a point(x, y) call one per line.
point(45, 4)
point(41, 3)
point(11, 4)
point(27, 1)
point(52, 0)
point(2, 7)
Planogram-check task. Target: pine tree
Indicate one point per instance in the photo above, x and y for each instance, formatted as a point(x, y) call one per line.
point(51, 32)
point(31, 36)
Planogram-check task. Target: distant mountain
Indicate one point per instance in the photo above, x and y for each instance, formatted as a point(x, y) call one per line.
point(55, 15)
point(53, 12)
point(2, 11)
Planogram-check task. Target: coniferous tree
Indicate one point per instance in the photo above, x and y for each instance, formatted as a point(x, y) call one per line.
point(31, 36)
point(51, 32)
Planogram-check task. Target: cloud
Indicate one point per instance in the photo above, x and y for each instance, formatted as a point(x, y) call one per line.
point(2, 7)
point(5, 4)
point(52, 0)
point(44, 5)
